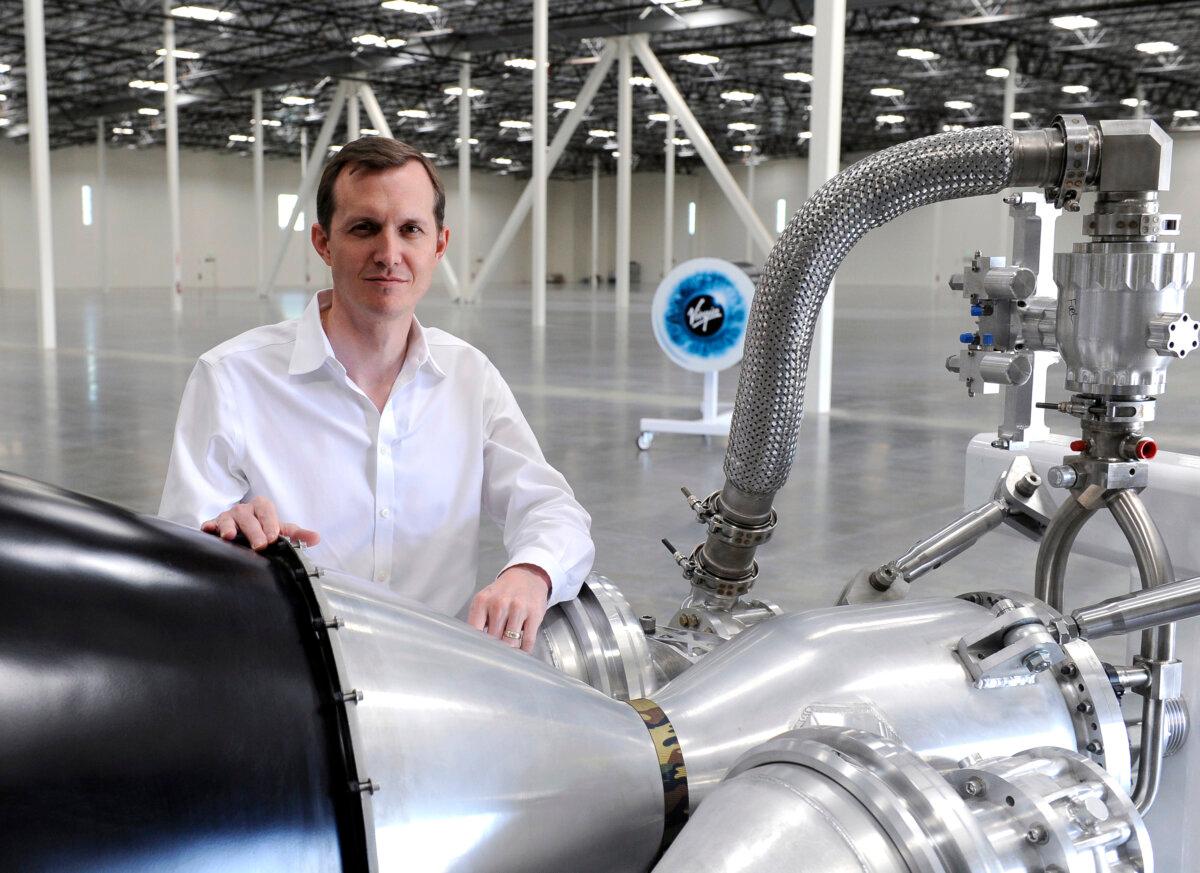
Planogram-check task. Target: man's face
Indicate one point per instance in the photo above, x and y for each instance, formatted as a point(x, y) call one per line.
point(383, 242)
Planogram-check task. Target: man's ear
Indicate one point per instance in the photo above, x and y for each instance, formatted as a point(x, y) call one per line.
point(320, 242)
point(443, 240)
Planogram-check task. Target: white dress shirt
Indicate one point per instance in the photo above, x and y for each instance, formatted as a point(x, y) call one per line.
point(396, 496)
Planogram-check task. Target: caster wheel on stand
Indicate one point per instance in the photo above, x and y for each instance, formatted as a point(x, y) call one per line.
point(645, 440)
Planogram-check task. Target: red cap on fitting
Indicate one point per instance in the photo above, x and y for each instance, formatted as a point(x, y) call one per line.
point(1145, 449)
point(1079, 445)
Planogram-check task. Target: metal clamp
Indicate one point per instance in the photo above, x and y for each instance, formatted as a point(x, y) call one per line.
point(1077, 160)
point(1011, 649)
point(1166, 678)
point(708, 513)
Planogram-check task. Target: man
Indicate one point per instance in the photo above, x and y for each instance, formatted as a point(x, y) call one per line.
point(376, 440)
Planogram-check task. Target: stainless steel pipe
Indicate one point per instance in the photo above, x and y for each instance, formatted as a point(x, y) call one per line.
point(1141, 610)
point(796, 277)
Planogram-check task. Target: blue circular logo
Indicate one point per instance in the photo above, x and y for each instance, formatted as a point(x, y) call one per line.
point(705, 315)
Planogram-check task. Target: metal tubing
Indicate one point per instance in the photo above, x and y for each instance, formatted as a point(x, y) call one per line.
point(260, 267)
point(463, 231)
point(171, 107)
point(540, 58)
point(953, 539)
point(704, 147)
point(1139, 611)
point(558, 145)
point(669, 197)
point(309, 184)
point(1050, 572)
point(1153, 562)
point(624, 172)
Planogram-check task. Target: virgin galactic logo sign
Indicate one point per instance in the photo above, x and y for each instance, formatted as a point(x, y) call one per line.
point(704, 315)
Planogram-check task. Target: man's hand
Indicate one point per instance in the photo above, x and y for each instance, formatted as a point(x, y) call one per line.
point(512, 608)
point(260, 524)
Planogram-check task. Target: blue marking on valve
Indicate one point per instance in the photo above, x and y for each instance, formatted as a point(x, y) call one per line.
point(976, 310)
point(966, 337)
point(987, 339)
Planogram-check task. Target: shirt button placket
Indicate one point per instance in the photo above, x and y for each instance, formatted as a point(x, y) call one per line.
point(385, 487)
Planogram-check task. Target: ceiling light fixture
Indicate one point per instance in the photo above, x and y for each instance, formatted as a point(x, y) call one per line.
point(887, 91)
point(521, 63)
point(456, 91)
point(809, 30)
point(918, 54)
point(409, 6)
point(5, 68)
point(564, 104)
point(998, 72)
point(745, 147)
point(470, 141)
point(268, 122)
point(952, 128)
point(1186, 113)
point(804, 134)
point(738, 96)
point(1074, 22)
point(1132, 102)
point(296, 100)
point(147, 110)
point(1075, 89)
point(504, 162)
point(181, 54)
point(240, 137)
point(959, 104)
point(514, 124)
point(700, 58)
point(120, 131)
point(889, 119)
point(147, 85)
point(681, 141)
point(367, 131)
point(1162, 47)
point(601, 133)
point(412, 113)
point(641, 81)
point(1021, 116)
point(741, 126)
point(798, 76)
point(202, 13)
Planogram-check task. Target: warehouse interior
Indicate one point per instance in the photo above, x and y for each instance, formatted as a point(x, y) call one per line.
point(158, 173)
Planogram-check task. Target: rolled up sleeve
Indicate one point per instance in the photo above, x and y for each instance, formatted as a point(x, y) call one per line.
point(543, 523)
point(204, 477)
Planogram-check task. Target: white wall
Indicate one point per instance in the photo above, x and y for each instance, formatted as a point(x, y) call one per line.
point(921, 248)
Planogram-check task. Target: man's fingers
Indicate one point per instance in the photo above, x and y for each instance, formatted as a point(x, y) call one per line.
point(226, 526)
point(210, 526)
point(497, 618)
point(514, 628)
point(477, 615)
point(268, 520)
point(295, 532)
point(248, 524)
point(532, 625)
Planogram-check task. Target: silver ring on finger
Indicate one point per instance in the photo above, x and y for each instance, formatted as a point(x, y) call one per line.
point(513, 635)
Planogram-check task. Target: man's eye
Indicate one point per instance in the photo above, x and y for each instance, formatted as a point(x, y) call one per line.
point(362, 228)
point(412, 228)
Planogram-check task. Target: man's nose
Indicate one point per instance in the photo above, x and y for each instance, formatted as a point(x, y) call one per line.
point(389, 251)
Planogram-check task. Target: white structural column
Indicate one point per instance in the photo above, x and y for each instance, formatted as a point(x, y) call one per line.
point(309, 214)
point(750, 163)
point(1139, 111)
point(380, 123)
point(169, 103)
point(541, 39)
point(353, 125)
point(594, 278)
point(308, 185)
point(260, 255)
point(824, 151)
point(462, 233)
point(704, 147)
point(39, 166)
point(669, 197)
point(557, 146)
point(100, 203)
point(624, 171)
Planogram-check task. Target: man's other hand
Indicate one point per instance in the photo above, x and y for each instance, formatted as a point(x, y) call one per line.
point(511, 609)
point(259, 523)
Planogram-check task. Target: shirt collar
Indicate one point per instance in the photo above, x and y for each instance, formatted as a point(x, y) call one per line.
point(312, 347)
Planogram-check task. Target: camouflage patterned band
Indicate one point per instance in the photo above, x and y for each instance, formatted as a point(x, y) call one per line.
point(670, 764)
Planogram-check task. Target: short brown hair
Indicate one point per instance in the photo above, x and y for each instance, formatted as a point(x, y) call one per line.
point(375, 153)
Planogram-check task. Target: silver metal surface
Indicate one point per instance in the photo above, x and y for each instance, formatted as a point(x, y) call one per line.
point(598, 639)
point(483, 758)
point(1107, 300)
point(1139, 611)
point(780, 817)
point(1136, 156)
point(890, 668)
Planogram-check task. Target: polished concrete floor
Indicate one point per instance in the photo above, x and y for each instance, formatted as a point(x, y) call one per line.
point(884, 469)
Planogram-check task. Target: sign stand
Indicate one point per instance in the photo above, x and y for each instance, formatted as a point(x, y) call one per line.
point(700, 313)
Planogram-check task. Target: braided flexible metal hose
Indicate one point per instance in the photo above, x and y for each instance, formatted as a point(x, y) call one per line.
point(770, 396)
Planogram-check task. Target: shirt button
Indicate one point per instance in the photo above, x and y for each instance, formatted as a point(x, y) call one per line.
point(383, 450)
point(385, 512)
point(381, 577)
